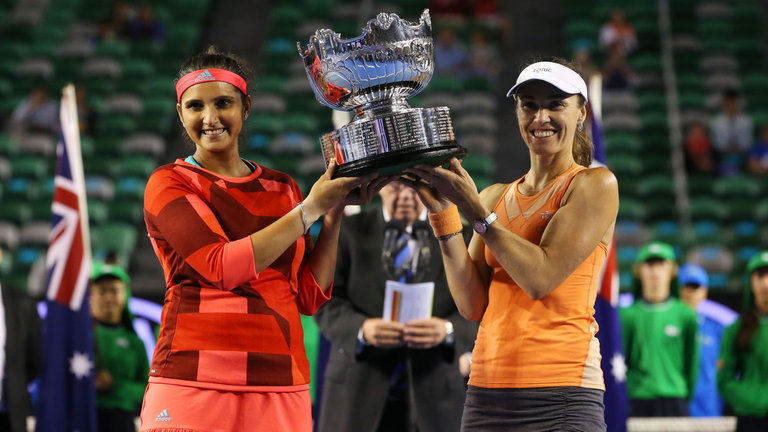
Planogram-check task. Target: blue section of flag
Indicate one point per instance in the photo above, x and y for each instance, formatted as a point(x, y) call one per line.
point(607, 317)
point(67, 391)
point(616, 402)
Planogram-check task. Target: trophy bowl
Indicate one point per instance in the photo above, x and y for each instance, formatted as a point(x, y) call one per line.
point(373, 75)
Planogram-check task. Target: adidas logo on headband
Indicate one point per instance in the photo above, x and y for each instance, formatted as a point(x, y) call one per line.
point(205, 76)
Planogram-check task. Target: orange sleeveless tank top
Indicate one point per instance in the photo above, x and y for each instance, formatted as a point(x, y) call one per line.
point(550, 342)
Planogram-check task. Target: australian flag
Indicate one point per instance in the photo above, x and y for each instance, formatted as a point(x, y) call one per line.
point(67, 392)
point(606, 305)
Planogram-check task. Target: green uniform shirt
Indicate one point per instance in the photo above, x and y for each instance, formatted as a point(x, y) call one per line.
point(122, 353)
point(660, 348)
point(742, 379)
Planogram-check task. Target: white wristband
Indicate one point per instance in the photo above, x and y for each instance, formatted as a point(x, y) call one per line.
point(304, 216)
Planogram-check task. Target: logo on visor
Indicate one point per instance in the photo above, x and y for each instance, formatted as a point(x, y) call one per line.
point(541, 69)
point(205, 76)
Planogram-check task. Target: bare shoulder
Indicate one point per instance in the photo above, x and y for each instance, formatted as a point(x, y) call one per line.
point(598, 179)
point(593, 183)
point(492, 194)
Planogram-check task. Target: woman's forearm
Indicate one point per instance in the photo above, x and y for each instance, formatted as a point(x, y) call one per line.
point(272, 241)
point(322, 261)
point(467, 288)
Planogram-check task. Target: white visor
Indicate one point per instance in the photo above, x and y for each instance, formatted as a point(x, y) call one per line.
point(562, 77)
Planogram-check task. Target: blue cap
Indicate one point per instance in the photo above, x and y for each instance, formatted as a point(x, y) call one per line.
point(691, 273)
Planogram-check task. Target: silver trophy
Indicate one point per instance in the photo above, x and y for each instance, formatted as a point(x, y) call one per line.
point(374, 74)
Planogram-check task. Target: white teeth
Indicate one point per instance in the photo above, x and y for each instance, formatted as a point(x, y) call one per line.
point(213, 132)
point(543, 134)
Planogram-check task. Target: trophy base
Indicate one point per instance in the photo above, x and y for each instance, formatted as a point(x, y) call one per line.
point(391, 142)
point(394, 163)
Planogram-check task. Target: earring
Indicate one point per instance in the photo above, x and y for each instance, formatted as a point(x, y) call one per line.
point(580, 127)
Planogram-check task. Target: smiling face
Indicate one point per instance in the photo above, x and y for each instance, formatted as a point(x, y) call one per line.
point(213, 115)
point(548, 118)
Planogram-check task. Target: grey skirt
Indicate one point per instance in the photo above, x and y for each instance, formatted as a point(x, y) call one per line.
point(533, 409)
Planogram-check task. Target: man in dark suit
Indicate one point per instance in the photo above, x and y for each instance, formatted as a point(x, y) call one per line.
point(21, 330)
point(383, 375)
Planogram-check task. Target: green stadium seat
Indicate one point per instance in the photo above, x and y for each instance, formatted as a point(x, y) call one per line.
point(8, 145)
point(130, 188)
point(18, 212)
point(136, 166)
point(622, 142)
point(659, 209)
point(131, 212)
point(709, 232)
point(656, 186)
point(98, 213)
point(706, 208)
point(668, 231)
point(631, 209)
point(29, 166)
point(727, 188)
point(116, 125)
point(745, 233)
point(22, 188)
point(114, 237)
point(625, 165)
point(105, 166)
point(651, 101)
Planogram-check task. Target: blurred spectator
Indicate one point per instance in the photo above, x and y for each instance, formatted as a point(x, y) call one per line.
point(86, 115)
point(758, 156)
point(618, 33)
point(732, 135)
point(20, 354)
point(483, 58)
point(119, 21)
point(617, 75)
point(713, 319)
point(144, 25)
point(659, 338)
point(450, 55)
point(37, 113)
point(742, 376)
point(486, 11)
point(452, 10)
point(582, 56)
point(122, 368)
point(698, 149)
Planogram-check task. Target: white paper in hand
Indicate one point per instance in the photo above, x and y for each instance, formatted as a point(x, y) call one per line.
point(404, 302)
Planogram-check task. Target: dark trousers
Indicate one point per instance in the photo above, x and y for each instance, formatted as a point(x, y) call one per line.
point(659, 407)
point(115, 420)
point(752, 424)
point(395, 416)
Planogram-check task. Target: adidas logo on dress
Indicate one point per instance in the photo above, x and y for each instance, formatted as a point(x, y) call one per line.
point(205, 76)
point(163, 416)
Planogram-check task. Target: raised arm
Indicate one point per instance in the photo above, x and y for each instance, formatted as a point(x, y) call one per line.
point(586, 217)
point(178, 216)
point(465, 267)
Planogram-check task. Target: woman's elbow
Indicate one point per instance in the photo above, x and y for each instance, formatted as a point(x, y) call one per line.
point(472, 312)
point(539, 290)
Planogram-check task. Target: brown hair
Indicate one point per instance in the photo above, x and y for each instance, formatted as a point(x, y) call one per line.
point(214, 59)
point(583, 149)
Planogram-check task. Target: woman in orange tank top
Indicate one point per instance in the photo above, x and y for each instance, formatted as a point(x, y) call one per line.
point(531, 270)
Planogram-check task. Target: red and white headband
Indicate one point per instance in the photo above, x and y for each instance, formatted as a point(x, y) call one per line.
point(206, 75)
